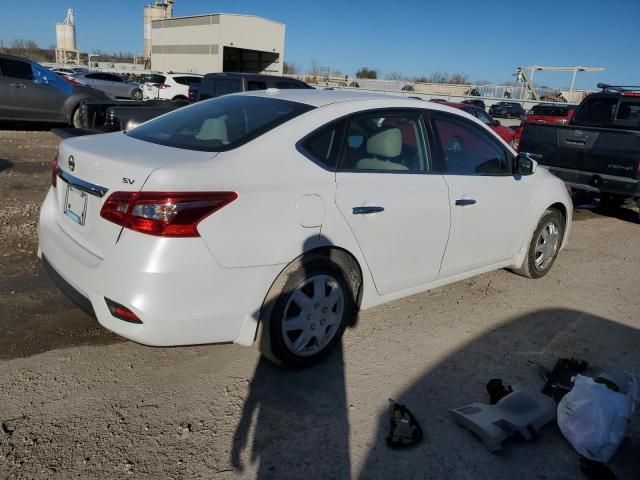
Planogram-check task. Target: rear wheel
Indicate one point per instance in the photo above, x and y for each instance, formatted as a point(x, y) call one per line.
point(136, 94)
point(544, 245)
point(306, 312)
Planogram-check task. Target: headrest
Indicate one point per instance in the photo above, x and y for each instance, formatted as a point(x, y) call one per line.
point(385, 144)
point(214, 129)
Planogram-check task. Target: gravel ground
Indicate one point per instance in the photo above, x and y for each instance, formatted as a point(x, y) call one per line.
point(79, 402)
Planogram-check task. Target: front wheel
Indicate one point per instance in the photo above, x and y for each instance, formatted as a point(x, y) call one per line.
point(76, 118)
point(306, 312)
point(544, 245)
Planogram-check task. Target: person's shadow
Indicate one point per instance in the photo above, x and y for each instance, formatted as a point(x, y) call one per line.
point(299, 418)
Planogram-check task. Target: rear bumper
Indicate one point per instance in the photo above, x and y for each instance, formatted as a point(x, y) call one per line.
point(174, 286)
point(596, 182)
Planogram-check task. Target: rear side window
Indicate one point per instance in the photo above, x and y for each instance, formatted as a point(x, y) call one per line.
point(16, 69)
point(188, 80)
point(94, 76)
point(153, 78)
point(628, 114)
point(323, 145)
point(111, 78)
point(386, 142)
point(220, 124)
point(256, 85)
point(225, 86)
point(467, 150)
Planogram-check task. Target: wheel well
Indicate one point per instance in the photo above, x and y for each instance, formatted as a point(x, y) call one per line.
point(349, 265)
point(179, 97)
point(561, 208)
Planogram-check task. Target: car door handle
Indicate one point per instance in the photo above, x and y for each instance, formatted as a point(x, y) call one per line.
point(366, 210)
point(18, 85)
point(463, 202)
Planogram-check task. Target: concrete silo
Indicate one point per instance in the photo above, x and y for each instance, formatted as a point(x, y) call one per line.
point(66, 49)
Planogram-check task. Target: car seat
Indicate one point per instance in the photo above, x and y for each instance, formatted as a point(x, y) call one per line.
point(386, 144)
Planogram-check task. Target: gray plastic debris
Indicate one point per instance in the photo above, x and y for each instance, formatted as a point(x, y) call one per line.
point(523, 411)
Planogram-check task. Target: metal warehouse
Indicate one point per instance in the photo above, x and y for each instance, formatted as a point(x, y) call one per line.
point(217, 43)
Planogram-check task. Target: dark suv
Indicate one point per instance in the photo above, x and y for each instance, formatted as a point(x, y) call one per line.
point(31, 92)
point(507, 110)
point(217, 84)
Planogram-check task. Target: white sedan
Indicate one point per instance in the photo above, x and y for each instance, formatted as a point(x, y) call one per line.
point(289, 210)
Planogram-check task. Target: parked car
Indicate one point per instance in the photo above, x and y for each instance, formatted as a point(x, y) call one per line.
point(110, 83)
point(506, 133)
point(544, 113)
point(597, 151)
point(507, 110)
point(217, 84)
point(31, 92)
point(476, 102)
point(170, 86)
point(293, 208)
point(550, 113)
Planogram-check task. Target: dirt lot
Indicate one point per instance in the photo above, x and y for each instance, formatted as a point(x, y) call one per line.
point(79, 402)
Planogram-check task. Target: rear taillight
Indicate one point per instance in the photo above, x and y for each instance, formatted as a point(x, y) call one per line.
point(121, 312)
point(71, 79)
point(164, 214)
point(54, 170)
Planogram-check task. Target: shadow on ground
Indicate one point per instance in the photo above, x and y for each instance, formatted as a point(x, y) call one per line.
point(587, 205)
point(5, 164)
point(295, 424)
point(29, 126)
point(508, 352)
point(36, 317)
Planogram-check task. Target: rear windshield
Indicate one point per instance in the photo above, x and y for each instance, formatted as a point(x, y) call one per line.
point(610, 111)
point(153, 78)
point(550, 110)
point(219, 124)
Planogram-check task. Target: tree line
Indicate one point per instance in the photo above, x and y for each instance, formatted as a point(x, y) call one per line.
point(30, 49)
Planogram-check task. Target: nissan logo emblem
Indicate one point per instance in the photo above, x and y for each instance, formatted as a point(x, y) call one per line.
point(72, 163)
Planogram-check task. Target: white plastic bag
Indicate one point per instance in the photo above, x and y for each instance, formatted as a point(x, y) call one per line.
point(594, 418)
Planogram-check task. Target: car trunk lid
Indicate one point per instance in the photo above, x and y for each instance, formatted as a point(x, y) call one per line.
point(93, 167)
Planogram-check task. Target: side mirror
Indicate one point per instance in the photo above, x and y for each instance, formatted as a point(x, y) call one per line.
point(496, 123)
point(524, 165)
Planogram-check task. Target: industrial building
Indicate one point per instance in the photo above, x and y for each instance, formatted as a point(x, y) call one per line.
point(217, 43)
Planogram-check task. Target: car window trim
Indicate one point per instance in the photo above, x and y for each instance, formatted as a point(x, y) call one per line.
point(392, 111)
point(433, 115)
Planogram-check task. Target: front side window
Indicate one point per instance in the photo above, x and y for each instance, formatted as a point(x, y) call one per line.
point(386, 142)
point(219, 124)
point(467, 150)
point(16, 69)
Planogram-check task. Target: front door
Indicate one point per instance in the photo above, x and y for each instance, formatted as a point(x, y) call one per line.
point(489, 204)
point(396, 207)
point(6, 94)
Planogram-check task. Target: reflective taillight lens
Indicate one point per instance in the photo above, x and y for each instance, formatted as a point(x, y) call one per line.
point(54, 170)
point(165, 214)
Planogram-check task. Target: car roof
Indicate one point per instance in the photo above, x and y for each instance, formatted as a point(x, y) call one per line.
point(319, 98)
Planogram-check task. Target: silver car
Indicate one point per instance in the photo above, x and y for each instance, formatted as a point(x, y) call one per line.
point(110, 83)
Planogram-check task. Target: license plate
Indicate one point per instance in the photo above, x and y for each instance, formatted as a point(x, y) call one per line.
point(75, 205)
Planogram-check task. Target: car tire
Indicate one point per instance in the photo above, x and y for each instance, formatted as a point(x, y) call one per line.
point(312, 293)
point(136, 94)
point(544, 246)
point(76, 118)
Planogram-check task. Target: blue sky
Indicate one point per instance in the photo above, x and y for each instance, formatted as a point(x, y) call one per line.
point(485, 39)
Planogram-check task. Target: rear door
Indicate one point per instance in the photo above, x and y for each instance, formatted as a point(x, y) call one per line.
point(6, 94)
point(38, 94)
point(489, 205)
point(393, 202)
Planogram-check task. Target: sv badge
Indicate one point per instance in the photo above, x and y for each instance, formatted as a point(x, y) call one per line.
point(130, 181)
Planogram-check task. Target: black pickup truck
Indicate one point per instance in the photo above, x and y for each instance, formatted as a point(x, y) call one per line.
point(598, 150)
